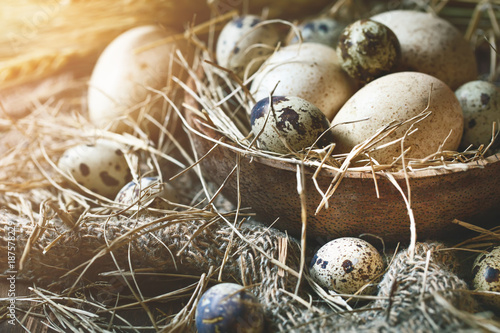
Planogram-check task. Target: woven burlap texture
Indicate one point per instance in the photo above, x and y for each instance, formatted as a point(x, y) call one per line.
point(411, 293)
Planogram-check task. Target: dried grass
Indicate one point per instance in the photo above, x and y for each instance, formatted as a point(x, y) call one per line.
point(33, 188)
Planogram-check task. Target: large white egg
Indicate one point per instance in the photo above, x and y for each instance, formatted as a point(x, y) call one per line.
point(100, 167)
point(118, 94)
point(310, 71)
point(431, 45)
point(398, 97)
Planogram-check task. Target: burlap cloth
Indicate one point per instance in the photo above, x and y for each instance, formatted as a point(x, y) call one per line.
point(420, 295)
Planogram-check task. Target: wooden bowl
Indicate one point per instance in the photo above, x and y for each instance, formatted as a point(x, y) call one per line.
point(269, 187)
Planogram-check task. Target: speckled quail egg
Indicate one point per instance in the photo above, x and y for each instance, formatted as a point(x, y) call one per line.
point(100, 167)
point(346, 264)
point(290, 119)
point(323, 30)
point(243, 41)
point(399, 97)
point(486, 276)
point(431, 45)
point(228, 307)
point(480, 101)
point(310, 71)
point(148, 192)
point(368, 49)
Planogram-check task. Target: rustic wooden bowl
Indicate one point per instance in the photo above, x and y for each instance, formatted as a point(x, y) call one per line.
point(269, 187)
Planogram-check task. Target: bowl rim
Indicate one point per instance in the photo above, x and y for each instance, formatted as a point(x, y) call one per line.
point(291, 164)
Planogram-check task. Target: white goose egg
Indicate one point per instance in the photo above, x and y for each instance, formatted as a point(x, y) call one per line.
point(242, 42)
point(310, 71)
point(431, 45)
point(291, 119)
point(118, 94)
point(346, 264)
point(400, 97)
point(100, 167)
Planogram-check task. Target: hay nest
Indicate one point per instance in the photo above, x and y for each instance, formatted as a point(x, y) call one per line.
point(92, 265)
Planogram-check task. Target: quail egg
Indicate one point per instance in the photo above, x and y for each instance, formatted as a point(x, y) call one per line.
point(346, 264)
point(242, 42)
point(148, 192)
point(228, 307)
point(100, 167)
point(323, 30)
point(310, 71)
point(480, 101)
point(367, 50)
point(486, 276)
point(289, 119)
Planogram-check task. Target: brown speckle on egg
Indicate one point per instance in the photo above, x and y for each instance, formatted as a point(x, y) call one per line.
point(347, 266)
point(107, 179)
point(84, 169)
point(491, 274)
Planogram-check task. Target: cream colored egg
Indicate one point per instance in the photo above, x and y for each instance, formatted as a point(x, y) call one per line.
point(100, 167)
point(431, 45)
point(398, 97)
point(486, 276)
point(347, 264)
point(118, 94)
point(310, 71)
point(480, 101)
